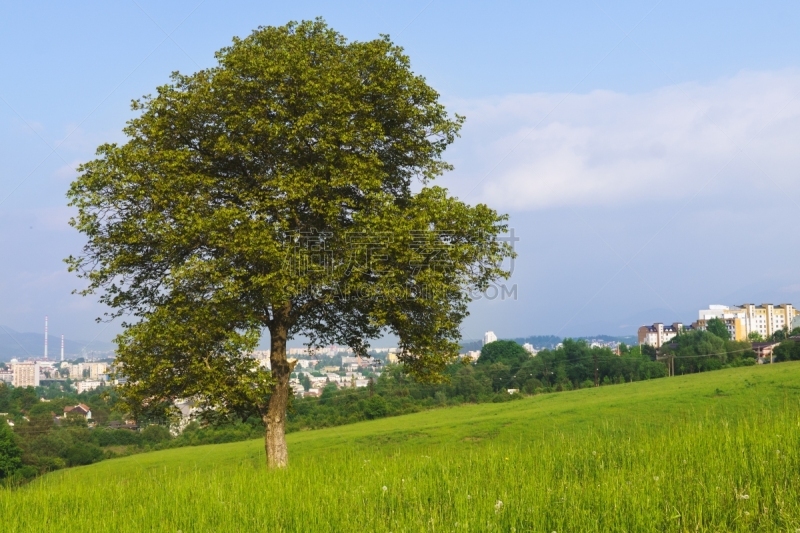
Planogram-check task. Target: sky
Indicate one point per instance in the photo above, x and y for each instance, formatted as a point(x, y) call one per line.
point(644, 151)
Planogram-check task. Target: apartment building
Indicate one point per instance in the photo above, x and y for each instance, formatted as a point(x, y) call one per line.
point(734, 318)
point(766, 319)
point(659, 334)
point(25, 374)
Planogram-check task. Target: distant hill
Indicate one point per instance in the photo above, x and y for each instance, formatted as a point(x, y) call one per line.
point(14, 344)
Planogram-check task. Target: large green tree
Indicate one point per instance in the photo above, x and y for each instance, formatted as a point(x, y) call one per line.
point(287, 188)
point(507, 352)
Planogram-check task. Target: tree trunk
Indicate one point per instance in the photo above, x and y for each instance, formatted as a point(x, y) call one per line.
point(275, 419)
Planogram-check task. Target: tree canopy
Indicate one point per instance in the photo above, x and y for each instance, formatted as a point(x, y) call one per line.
point(287, 188)
point(507, 352)
point(699, 351)
point(718, 328)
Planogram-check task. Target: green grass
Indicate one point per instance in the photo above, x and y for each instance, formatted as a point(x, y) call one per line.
point(708, 452)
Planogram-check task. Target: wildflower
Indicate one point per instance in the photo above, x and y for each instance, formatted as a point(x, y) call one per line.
point(655, 478)
point(594, 452)
point(384, 488)
point(498, 506)
point(469, 497)
point(746, 513)
point(744, 496)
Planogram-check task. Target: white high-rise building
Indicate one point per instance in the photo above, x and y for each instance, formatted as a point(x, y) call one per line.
point(529, 348)
point(488, 337)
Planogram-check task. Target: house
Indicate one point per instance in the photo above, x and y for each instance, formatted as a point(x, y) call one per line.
point(764, 351)
point(187, 409)
point(81, 410)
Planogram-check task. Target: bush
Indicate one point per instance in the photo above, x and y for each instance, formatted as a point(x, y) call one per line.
point(116, 437)
point(155, 434)
point(83, 453)
point(375, 407)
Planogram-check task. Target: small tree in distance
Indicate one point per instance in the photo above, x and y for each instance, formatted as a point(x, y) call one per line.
point(718, 328)
point(276, 191)
point(755, 336)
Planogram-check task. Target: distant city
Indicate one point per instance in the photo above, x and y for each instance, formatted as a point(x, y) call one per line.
point(317, 368)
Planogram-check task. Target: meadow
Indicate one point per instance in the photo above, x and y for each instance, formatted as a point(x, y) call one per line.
point(717, 451)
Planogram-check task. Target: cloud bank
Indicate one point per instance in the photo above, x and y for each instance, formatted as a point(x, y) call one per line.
point(534, 151)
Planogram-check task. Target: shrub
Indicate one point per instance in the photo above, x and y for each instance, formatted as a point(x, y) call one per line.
point(83, 453)
point(376, 407)
point(155, 434)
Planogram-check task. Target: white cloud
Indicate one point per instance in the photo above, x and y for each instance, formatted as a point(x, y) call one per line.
point(601, 148)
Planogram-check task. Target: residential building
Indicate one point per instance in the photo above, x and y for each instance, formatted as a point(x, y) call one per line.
point(80, 410)
point(529, 348)
point(764, 351)
point(187, 408)
point(488, 337)
point(658, 334)
point(6, 376)
point(25, 374)
point(735, 319)
point(766, 319)
point(87, 385)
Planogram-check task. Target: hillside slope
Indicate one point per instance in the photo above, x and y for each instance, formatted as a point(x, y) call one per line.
point(709, 452)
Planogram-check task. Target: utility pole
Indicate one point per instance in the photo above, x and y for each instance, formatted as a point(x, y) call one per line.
point(596, 378)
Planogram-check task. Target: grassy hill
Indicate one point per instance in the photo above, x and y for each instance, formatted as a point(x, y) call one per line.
point(718, 451)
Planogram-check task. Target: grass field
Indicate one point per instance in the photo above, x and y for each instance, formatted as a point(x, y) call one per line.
point(708, 452)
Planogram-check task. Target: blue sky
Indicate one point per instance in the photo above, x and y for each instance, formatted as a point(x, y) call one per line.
point(646, 151)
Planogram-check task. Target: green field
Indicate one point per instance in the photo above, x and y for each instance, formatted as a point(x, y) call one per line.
point(707, 452)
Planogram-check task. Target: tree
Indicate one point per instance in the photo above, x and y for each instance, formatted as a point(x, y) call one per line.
point(780, 334)
point(305, 381)
point(649, 351)
point(787, 350)
point(755, 336)
point(83, 453)
point(718, 328)
point(277, 190)
point(507, 352)
point(10, 453)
